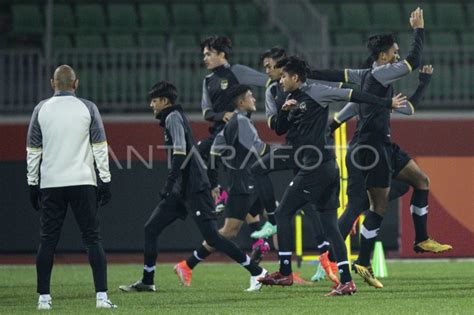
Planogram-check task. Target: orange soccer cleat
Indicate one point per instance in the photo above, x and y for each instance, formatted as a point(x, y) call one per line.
point(184, 273)
point(329, 267)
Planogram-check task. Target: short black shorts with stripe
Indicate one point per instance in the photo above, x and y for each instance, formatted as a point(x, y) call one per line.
point(239, 205)
point(379, 163)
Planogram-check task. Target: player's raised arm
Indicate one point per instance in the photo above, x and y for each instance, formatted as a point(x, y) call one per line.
point(340, 76)
point(249, 76)
point(387, 73)
point(347, 112)
point(424, 78)
point(326, 95)
point(417, 22)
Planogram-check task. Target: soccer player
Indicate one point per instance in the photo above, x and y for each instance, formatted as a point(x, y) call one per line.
point(269, 59)
point(186, 190)
point(215, 104)
point(273, 60)
point(380, 159)
point(239, 146)
point(358, 201)
point(66, 137)
point(317, 181)
point(218, 109)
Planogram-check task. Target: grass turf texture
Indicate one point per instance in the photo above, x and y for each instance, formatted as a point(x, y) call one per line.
point(413, 287)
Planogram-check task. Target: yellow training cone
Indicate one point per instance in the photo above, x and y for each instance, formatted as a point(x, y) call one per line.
point(379, 265)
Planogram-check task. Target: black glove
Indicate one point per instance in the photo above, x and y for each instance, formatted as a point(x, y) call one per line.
point(103, 193)
point(35, 196)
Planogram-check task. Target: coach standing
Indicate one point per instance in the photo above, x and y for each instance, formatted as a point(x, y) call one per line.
point(65, 137)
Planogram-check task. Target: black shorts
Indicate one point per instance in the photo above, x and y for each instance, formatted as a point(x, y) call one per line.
point(239, 205)
point(356, 189)
point(319, 187)
point(256, 207)
point(400, 159)
point(379, 163)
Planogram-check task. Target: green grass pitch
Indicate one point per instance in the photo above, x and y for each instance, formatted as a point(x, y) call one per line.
point(412, 287)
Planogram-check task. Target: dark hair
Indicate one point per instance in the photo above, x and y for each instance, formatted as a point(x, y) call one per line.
point(164, 89)
point(296, 65)
point(218, 43)
point(281, 63)
point(377, 44)
point(276, 53)
point(367, 63)
point(236, 92)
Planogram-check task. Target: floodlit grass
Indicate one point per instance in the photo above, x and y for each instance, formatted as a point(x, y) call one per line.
point(412, 287)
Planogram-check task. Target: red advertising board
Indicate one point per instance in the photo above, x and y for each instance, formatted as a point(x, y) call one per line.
point(444, 148)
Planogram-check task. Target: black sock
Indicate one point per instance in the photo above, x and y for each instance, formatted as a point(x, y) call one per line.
point(419, 213)
point(198, 255)
point(251, 266)
point(323, 243)
point(148, 275)
point(285, 263)
point(368, 235)
point(344, 272)
point(332, 254)
point(346, 221)
point(255, 226)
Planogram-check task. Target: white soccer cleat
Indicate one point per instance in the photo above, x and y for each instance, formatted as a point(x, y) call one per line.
point(105, 303)
point(44, 305)
point(254, 284)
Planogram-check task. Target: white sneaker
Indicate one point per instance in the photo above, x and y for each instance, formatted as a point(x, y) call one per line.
point(254, 284)
point(104, 303)
point(44, 304)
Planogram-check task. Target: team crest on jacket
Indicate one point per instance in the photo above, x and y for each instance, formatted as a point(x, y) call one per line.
point(224, 84)
point(302, 106)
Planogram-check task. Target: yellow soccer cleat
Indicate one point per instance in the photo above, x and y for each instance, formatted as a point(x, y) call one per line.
point(367, 274)
point(431, 246)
